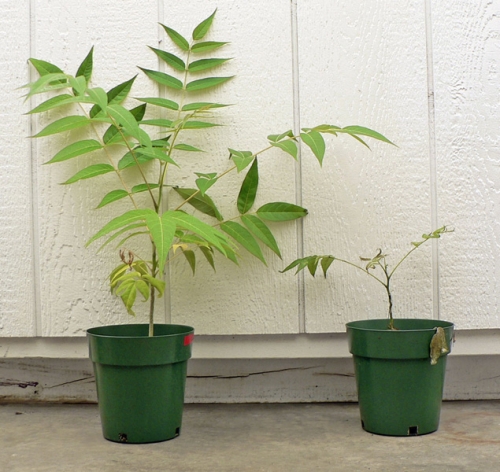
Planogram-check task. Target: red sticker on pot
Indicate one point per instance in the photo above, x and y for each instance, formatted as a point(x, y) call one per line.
point(188, 339)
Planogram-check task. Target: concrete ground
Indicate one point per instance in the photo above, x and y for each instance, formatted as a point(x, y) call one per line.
point(249, 437)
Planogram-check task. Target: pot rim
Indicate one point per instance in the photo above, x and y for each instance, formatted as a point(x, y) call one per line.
point(432, 322)
point(180, 330)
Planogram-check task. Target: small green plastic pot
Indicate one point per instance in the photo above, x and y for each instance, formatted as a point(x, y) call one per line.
point(399, 391)
point(140, 380)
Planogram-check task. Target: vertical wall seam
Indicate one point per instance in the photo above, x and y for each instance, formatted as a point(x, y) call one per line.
point(35, 221)
point(298, 167)
point(432, 157)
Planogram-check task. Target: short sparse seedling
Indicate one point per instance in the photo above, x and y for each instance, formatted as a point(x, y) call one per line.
point(372, 263)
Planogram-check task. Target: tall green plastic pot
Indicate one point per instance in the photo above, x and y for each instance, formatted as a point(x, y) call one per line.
point(399, 391)
point(140, 380)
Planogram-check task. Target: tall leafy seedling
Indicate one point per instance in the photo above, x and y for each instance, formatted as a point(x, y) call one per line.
point(122, 137)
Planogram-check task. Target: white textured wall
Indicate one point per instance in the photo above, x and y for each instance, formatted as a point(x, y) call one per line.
point(17, 282)
point(377, 63)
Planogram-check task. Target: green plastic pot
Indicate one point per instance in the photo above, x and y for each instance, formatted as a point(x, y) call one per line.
point(140, 380)
point(399, 391)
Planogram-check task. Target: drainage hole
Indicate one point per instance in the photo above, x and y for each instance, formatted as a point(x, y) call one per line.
point(413, 431)
point(123, 437)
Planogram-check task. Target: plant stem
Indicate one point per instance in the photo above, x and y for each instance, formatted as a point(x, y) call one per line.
point(152, 299)
point(389, 296)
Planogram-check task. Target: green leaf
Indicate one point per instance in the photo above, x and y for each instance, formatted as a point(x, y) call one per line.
point(191, 258)
point(229, 253)
point(360, 130)
point(202, 203)
point(112, 136)
point(260, 230)
point(44, 67)
point(142, 287)
point(311, 262)
point(240, 234)
point(357, 138)
point(156, 153)
point(158, 284)
point(209, 255)
point(119, 222)
point(141, 155)
point(191, 223)
point(198, 125)
point(161, 102)
point(47, 83)
point(158, 122)
point(163, 79)
point(248, 190)
point(326, 262)
point(124, 118)
point(54, 102)
point(64, 124)
point(128, 294)
point(177, 38)
point(116, 95)
point(209, 176)
point(99, 97)
point(330, 129)
point(128, 160)
point(89, 172)
point(187, 147)
point(204, 184)
point(299, 263)
point(162, 230)
point(204, 64)
point(116, 273)
point(112, 196)
point(202, 29)
point(85, 68)
point(132, 235)
point(207, 46)
point(208, 82)
point(202, 106)
point(138, 112)
point(143, 187)
point(288, 146)
point(281, 211)
point(118, 233)
point(171, 59)
point(191, 239)
point(76, 149)
point(278, 137)
point(127, 120)
point(315, 141)
point(241, 159)
point(162, 143)
point(79, 85)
